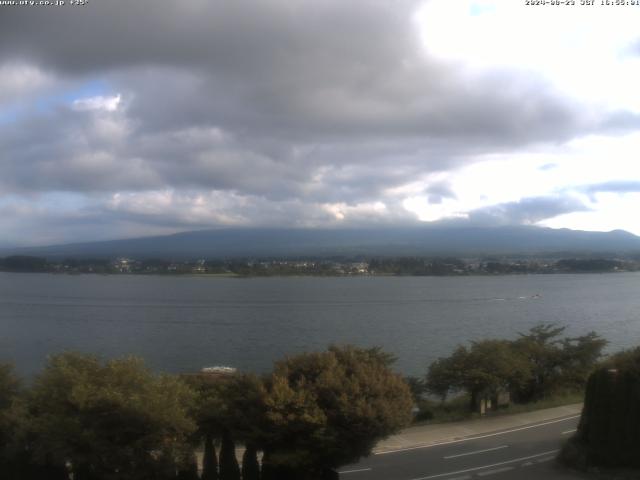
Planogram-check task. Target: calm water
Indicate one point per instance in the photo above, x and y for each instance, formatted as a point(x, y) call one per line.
point(184, 323)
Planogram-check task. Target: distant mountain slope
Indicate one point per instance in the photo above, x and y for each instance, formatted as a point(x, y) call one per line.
point(430, 240)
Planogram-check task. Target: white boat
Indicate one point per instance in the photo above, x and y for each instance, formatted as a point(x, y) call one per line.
point(219, 369)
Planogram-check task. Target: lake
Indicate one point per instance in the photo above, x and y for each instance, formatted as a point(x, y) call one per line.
point(181, 324)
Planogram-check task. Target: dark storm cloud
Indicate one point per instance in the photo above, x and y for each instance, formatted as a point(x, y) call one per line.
point(293, 70)
point(24, 225)
point(267, 110)
point(176, 137)
point(526, 211)
point(229, 36)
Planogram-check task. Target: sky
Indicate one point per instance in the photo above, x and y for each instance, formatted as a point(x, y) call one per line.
point(121, 119)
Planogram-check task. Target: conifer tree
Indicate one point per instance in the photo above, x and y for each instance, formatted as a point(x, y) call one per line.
point(209, 460)
point(250, 465)
point(189, 469)
point(229, 468)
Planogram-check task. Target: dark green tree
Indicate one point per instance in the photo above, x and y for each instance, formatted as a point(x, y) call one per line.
point(493, 366)
point(417, 387)
point(9, 387)
point(209, 459)
point(229, 468)
point(556, 363)
point(108, 419)
point(250, 465)
point(445, 374)
point(484, 370)
point(188, 469)
point(531, 367)
point(609, 430)
point(15, 462)
point(24, 263)
point(230, 405)
point(327, 409)
point(541, 346)
point(579, 357)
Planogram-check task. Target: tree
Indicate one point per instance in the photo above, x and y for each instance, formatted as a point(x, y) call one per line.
point(293, 422)
point(113, 419)
point(542, 349)
point(556, 363)
point(484, 370)
point(579, 357)
point(11, 419)
point(229, 468)
point(536, 364)
point(327, 409)
point(209, 459)
point(250, 465)
point(229, 407)
point(188, 469)
point(445, 374)
point(609, 429)
point(24, 263)
point(417, 387)
point(17, 461)
point(9, 388)
point(491, 367)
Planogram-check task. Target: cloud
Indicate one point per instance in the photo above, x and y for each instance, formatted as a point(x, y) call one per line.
point(614, 186)
point(527, 211)
point(547, 167)
point(164, 131)
point(276, 112)
point(108, 104)
point(19, 79)
point(287, 70)
point(622, 121)
point(439, 191)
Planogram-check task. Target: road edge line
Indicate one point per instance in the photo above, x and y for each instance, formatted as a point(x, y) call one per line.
point(477, 437)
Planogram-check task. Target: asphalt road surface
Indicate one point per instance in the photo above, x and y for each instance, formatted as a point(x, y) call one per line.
point(524, 453)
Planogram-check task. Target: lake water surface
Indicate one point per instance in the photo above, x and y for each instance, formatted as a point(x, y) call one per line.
point(180, 324)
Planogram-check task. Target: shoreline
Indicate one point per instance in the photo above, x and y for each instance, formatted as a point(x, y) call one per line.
point(303, 275)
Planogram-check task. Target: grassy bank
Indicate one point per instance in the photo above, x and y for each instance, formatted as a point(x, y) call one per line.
point(457, 409)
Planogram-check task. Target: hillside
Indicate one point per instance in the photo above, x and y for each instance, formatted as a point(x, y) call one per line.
point(237, 242)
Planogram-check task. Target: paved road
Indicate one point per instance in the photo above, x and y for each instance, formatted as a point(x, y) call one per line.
point(523, 453)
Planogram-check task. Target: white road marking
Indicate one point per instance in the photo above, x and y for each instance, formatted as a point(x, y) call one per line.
point(355, 471)
point(417, 447)
point(542, 460)
point(487, 466)
point(493, 472)
point(569, 431)
point(475, 452)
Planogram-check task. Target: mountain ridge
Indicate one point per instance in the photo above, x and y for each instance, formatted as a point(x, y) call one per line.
point(292, 242)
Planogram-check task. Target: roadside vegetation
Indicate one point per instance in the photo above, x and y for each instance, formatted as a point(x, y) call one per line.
point(95, 420)
point(87, 419)
point(607, 442)
point(456, 409)
point(539, 369)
